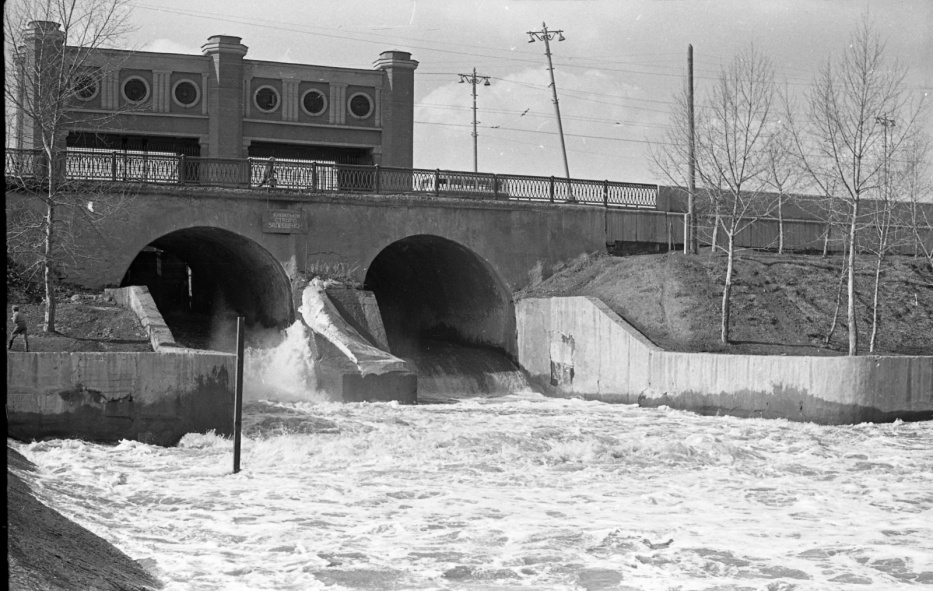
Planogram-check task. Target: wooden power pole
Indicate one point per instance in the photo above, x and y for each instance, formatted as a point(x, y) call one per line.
point(691, 239)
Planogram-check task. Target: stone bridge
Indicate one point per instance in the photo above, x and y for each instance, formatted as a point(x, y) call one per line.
point(444, 266)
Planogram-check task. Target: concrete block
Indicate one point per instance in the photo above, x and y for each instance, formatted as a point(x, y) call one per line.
point(361, 311)
point(342, 380)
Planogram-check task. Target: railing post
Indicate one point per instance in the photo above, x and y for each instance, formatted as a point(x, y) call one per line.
point(377, 179)
point(181, 169)
point(606, 193)
point(314, 177)
point(437, 181)
point(495, 187)
point(551, 190)
point(113, 166)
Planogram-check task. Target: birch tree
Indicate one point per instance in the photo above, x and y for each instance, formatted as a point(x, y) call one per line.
point(783, 177)
point(734, 126)
point(734, 155)
point(840, 136)
point(52, 52)
point(917, 183)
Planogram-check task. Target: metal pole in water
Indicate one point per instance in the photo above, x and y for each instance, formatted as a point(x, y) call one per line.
point(238, 396)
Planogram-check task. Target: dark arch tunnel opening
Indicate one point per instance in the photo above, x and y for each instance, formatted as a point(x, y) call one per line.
point(432, 290)
point(203, 278)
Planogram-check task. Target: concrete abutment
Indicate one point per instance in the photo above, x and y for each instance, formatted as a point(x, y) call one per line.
point(576, 346)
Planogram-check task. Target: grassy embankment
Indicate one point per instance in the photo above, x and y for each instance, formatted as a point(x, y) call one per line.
point(782, 304)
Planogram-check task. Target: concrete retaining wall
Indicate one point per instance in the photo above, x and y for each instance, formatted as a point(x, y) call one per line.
point(577, 346)
point(138, 299)
point(105, 397)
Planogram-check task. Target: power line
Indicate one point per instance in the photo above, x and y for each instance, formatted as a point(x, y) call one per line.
point(533, 114)
point(472, 54)
point(573, 150)
point(589, 137)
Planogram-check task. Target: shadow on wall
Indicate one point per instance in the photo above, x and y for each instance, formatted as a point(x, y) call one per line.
point(431, 288)
point(197, 277)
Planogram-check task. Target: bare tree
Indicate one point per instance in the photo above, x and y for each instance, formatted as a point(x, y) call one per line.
point(671, 158)
point(734, 153)
point(917, 188)
point(841, 136)
point(733, 131)
point(53, 54)
point(784, 178)
point(883, 239)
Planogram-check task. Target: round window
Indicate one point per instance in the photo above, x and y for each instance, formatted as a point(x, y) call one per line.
point(314, 102)
point(360, 106)
point(85, 88)
point(186, 93)
point(267, 99)
point(135, 90)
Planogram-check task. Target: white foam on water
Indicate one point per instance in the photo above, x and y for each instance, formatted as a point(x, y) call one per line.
point(284, 370)
point(514, 492)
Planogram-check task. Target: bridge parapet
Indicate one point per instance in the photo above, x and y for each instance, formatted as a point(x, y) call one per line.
point(306, 176)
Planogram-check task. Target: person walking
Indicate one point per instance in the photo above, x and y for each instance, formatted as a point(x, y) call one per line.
point(268, 175)
point(19, 328)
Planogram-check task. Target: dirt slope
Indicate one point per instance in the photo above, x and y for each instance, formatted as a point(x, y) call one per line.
point(84, 322)
point(782, 304)
point(47, 552)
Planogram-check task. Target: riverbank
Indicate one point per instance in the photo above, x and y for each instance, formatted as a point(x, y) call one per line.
point(782, 305)
point(48, 552)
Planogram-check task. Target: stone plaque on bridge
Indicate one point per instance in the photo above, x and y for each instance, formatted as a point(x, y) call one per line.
point(283, 221)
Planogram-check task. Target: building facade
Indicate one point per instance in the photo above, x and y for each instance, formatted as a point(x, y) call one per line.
point(222, 105)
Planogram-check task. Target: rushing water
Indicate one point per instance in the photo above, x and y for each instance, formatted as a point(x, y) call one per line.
point(515, 491)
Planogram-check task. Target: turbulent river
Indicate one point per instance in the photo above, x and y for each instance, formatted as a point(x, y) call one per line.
point(508, 492)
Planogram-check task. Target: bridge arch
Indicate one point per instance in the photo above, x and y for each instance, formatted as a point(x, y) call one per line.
point(214, 273)
point(430, 287)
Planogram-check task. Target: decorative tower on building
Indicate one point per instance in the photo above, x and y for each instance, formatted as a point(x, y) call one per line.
point(398, 115)
point(40, 92)
point(225, 96)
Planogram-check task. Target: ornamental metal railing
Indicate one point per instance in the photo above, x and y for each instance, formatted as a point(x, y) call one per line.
point(322, 176)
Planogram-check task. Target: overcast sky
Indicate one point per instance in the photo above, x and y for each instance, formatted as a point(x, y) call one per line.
point(616, 72)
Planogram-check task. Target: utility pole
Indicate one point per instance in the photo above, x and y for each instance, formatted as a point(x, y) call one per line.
point(885, 122)
point(546, 36)
point(691, 239)
point(474, 79)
